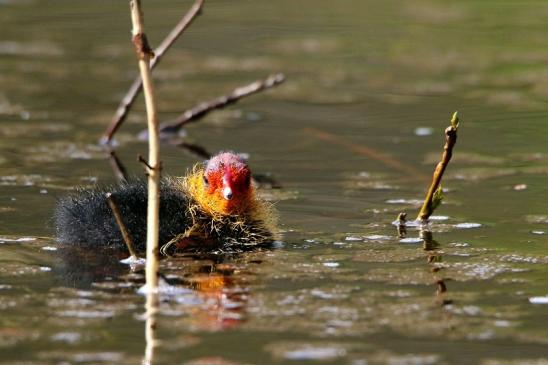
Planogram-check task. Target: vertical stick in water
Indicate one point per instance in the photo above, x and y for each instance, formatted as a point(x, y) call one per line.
point(144, 54)
point(430, 200)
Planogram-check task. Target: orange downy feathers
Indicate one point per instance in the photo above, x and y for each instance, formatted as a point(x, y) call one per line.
point(211, 197)
point(224, 206)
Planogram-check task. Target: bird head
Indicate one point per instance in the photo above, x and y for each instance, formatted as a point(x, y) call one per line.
point(225, 186)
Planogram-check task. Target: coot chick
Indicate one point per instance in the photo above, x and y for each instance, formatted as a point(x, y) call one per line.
point(214, 207)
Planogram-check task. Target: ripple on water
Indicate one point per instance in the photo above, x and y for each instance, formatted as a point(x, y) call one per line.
point(67, 337)
point(423, 131)
point(324, 294)
point(439, 218)
point(315, 353)
point(467, 225)
point(87, 314)
point(414, 202)
point(307, 351)
point(525, 259)
point(477, 270)
point(537, 219)
point(377, 237)
point(539, 300)
point(41, 48)
point(13, 240)
point(106, 357)
point(411, 240)
point(25, 180)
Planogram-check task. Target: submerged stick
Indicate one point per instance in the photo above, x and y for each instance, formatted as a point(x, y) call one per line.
point(144, 53)
point(367, 151)
point(121, 225)
point(200, 110)
point(433, 196)
point(136, 87)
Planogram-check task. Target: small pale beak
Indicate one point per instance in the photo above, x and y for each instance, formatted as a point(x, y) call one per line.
point(227, 190)
point(227, 193)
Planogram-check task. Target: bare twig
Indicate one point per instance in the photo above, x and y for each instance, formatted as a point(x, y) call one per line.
point(121, 225)
point(450, 140)
point(144, 54)
point(117, 166)
point(153, 209)
point(194, 149)
point(172, 127)
point(142, 160)
point(126, 103)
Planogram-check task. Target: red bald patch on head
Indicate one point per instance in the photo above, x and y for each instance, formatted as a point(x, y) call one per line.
point(227, 181)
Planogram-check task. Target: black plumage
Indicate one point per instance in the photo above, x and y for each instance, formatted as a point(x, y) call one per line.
point(85, 219)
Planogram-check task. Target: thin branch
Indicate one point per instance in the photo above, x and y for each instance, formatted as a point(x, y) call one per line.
point(172, 127)
point(450, 139)
point(117, 166)
point(135, 88)
point(263, 181)
point(142, 160)
point(121, 225)
point(194, 149)
point(153, 210)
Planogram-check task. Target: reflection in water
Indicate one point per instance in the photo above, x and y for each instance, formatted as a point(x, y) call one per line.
point(433, 256)
point(222, 287)
point(80, 268)
point(210, 291)
point(428, 242)
point(152, 307)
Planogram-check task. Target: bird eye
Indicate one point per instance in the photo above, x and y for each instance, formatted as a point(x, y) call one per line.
point(206, 182)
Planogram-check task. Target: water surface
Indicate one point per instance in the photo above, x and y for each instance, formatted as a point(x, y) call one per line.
point(342, 287)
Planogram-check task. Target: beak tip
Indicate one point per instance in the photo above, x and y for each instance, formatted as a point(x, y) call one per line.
point(227, 193)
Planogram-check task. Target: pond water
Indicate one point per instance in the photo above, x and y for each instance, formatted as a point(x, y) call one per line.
point(351, 138)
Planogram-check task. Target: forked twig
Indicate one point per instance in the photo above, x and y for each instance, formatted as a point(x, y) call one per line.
point(136, 87)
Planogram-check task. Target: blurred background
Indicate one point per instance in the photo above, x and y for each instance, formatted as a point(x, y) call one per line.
point(350, 138)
